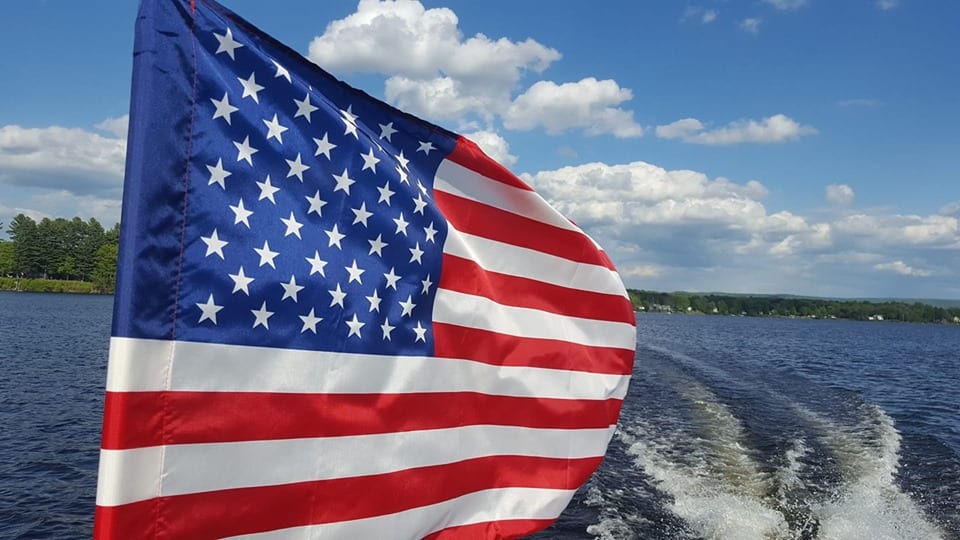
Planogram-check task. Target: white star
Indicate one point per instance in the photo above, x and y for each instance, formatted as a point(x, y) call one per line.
point(416, 253)
point(391, 279)
point(338, 296)
point(403, 161)
point(403, 175)
point(426, 147)
point(376, 246)
point(241, 214)
point(281, 71)
point(291, 289)
point(214, 244)
point(422, 189)
point(274, 129)
point(407, 307)
point(420, 205)
point(267, 190)
point(293, 226)
point(370, 161)
point(316, 264)
point(304, 108)
point(385, 193)
point(421, 333)
point(362, 215)
point(309, 322)
point(386, 328)
point(355, 326)
point(401, 225)
point(241, 282)
point(355, 272)
point(296, 168)
point(266, 256)
point(208, 311)
point(218, 174)
point(387, 131)
point(335, 237)
point(426, 285)
point(374, 300)
point(227, 44)
point(316, 204)
point(261, 316)
point(224, 108)
point(343, 182)
point(430, 232)
point(245, 152)
point(323, 146)
point(250, 87)
point(350, 122)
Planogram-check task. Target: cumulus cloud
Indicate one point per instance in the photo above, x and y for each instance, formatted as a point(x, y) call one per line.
point(901, 268)
point(773, 129)
point(670, 229)
point(839, 194)
point(589, 104)
point(750, 25)
point(785, 5)
point(494, 146)
point(433, 69)
point(71, 159)
point(115, 126)
point(887, 4)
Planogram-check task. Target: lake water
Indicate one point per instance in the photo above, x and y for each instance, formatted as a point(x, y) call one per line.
point(734, 428)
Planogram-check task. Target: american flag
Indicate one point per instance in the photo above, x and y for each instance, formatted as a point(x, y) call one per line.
point(334, 319)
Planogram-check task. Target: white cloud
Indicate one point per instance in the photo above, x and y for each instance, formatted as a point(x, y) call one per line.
point(901, 268)
point(785, 5)
point(887, 4)
point(641, 271)
point(750, 25)
point(773, 129)
point(589, 104)
point(494, 146)
point(839, 194)
point(432, 69)
point(61, 158)
point(704, 15)
point(952, 209)
point(115, 126)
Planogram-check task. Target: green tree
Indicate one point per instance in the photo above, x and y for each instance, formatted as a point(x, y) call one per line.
point(25, 236)
point(8, 263)
point(105, 273)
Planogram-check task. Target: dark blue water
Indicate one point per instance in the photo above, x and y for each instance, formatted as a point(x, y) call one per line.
point(734, 428)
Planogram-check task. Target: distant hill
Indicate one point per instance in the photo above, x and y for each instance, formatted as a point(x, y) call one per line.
point(936, 302)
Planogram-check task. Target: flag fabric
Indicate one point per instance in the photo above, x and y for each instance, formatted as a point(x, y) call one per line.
point(335, 320)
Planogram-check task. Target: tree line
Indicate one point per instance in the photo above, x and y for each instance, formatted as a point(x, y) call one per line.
point(60, 248)
point(779, 306)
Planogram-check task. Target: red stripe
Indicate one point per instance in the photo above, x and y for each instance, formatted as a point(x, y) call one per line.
point(452, 341)
point(215, 514)
point(135, 418)
point(489, 222)
point(512, 528)
point(466, 276)
point(469, 155)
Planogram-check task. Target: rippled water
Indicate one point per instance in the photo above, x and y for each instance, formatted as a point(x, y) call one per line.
point(734, 428)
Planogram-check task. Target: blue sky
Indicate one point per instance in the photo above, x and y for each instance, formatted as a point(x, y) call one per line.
point(776, 146)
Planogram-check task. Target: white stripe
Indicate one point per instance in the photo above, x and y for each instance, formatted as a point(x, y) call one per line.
point(458, 180)
point(528, 263)
point(478, 507)
point(132, 475)
point(143, 365)
point(480, 312)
